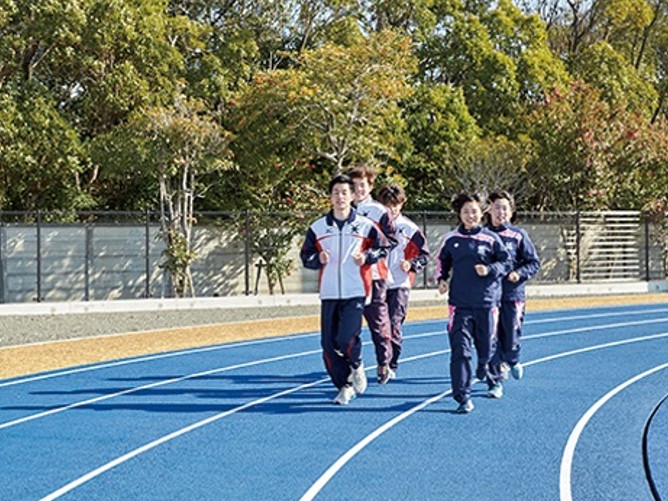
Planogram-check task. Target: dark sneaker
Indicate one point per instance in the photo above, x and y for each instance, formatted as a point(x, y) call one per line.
point(383, 374)
point(517, 371)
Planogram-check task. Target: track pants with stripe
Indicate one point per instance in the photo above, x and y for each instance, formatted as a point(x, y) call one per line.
point(511, 319)
point(378, 319)
point(397, 304)
point(470, 329)
point(340, 337)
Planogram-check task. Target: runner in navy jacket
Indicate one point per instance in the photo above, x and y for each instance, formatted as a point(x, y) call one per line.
point(475, 260)
point(342, 245)
point(526, 264)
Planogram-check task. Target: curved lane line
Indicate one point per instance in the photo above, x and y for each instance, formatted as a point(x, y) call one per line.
point(645, 449)
point(199, 424)
point(294, 355)
point(148, 358)
point(331, 471)
point(569, 450)
point(341, 462)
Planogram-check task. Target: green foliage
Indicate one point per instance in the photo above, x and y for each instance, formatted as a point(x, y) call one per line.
point(40, 154)
point(602, 67)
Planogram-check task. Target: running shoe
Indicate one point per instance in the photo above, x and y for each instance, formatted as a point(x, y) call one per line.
point(496, 391)
point(383, 374)
point(517, 371)
point(345, 395)
point(465, 407)
point(504, 369)
point(358, 379)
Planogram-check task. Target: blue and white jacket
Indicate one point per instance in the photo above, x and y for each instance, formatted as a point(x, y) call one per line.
point(462, 249)
point(526, 262)
point(412, 246)
point(341, 277)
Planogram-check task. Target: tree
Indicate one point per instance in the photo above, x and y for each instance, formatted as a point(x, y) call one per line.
point(497, 55)
point(183, 144)
point(441, 129)
point(40, 154)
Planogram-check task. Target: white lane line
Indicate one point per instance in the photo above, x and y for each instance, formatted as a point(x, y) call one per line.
point(284, 357)
point(148, 358)
point(320, 483)
point(156, 384)
point(166, 438)
point(569, 449)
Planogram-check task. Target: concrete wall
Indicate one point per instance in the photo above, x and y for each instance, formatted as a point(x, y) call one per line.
point(107, 261)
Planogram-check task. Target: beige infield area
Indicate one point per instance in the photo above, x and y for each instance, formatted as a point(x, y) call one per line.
point(33, 358)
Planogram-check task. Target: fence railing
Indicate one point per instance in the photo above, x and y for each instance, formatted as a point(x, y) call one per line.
point(109, 255)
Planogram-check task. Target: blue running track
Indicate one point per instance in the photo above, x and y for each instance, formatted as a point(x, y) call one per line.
point(254, 421)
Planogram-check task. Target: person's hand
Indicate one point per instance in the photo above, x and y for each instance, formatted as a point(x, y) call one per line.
point(359, 258)
point(324, 257)
point(481, 270)
point(442, 286)
point(406, 266)
point(513, 277)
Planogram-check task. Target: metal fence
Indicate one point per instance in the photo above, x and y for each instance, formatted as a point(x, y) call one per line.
point(118, 255)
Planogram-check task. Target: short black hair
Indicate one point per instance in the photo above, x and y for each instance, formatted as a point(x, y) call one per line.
point(391, 194)
point(341, 179)
point(459, 200)
point(502, 194)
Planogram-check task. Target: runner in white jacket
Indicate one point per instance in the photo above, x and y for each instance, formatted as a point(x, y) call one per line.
point(343, 245)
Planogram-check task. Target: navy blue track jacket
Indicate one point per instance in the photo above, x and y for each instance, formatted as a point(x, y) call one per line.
point(462, 249)
point(526, 262)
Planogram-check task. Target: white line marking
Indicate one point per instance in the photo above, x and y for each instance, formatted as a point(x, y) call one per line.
point(136, 452)
point(148, 358)
point(569, 449)
point(285, 357)
point(341, 462)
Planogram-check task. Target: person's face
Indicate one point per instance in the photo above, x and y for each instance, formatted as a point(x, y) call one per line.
point(470, 215)
point(362, 189)
point(500, 211)
point(341, 197)
point(395, 210)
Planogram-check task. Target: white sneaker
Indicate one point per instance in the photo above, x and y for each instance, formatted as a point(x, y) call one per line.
point(504, 368)
point(345, 395)
point(517, 371)
point(358, 379)
point(495, 391)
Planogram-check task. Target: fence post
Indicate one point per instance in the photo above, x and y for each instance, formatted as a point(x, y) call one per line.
point(39, 256)
point(577, 246)
point(646, 224)
point(147, 254)
point(247, 252)
point(87, 258)
point(425, 273)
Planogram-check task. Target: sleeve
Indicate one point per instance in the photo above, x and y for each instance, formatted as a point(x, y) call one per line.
point(502, 263)
point(376, 246)
point(443, 262)
point(389, 229)
point(528, 262)
point(310, 251)
point(417, 251)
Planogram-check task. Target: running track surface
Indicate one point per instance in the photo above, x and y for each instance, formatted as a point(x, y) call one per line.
point(253, 420)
